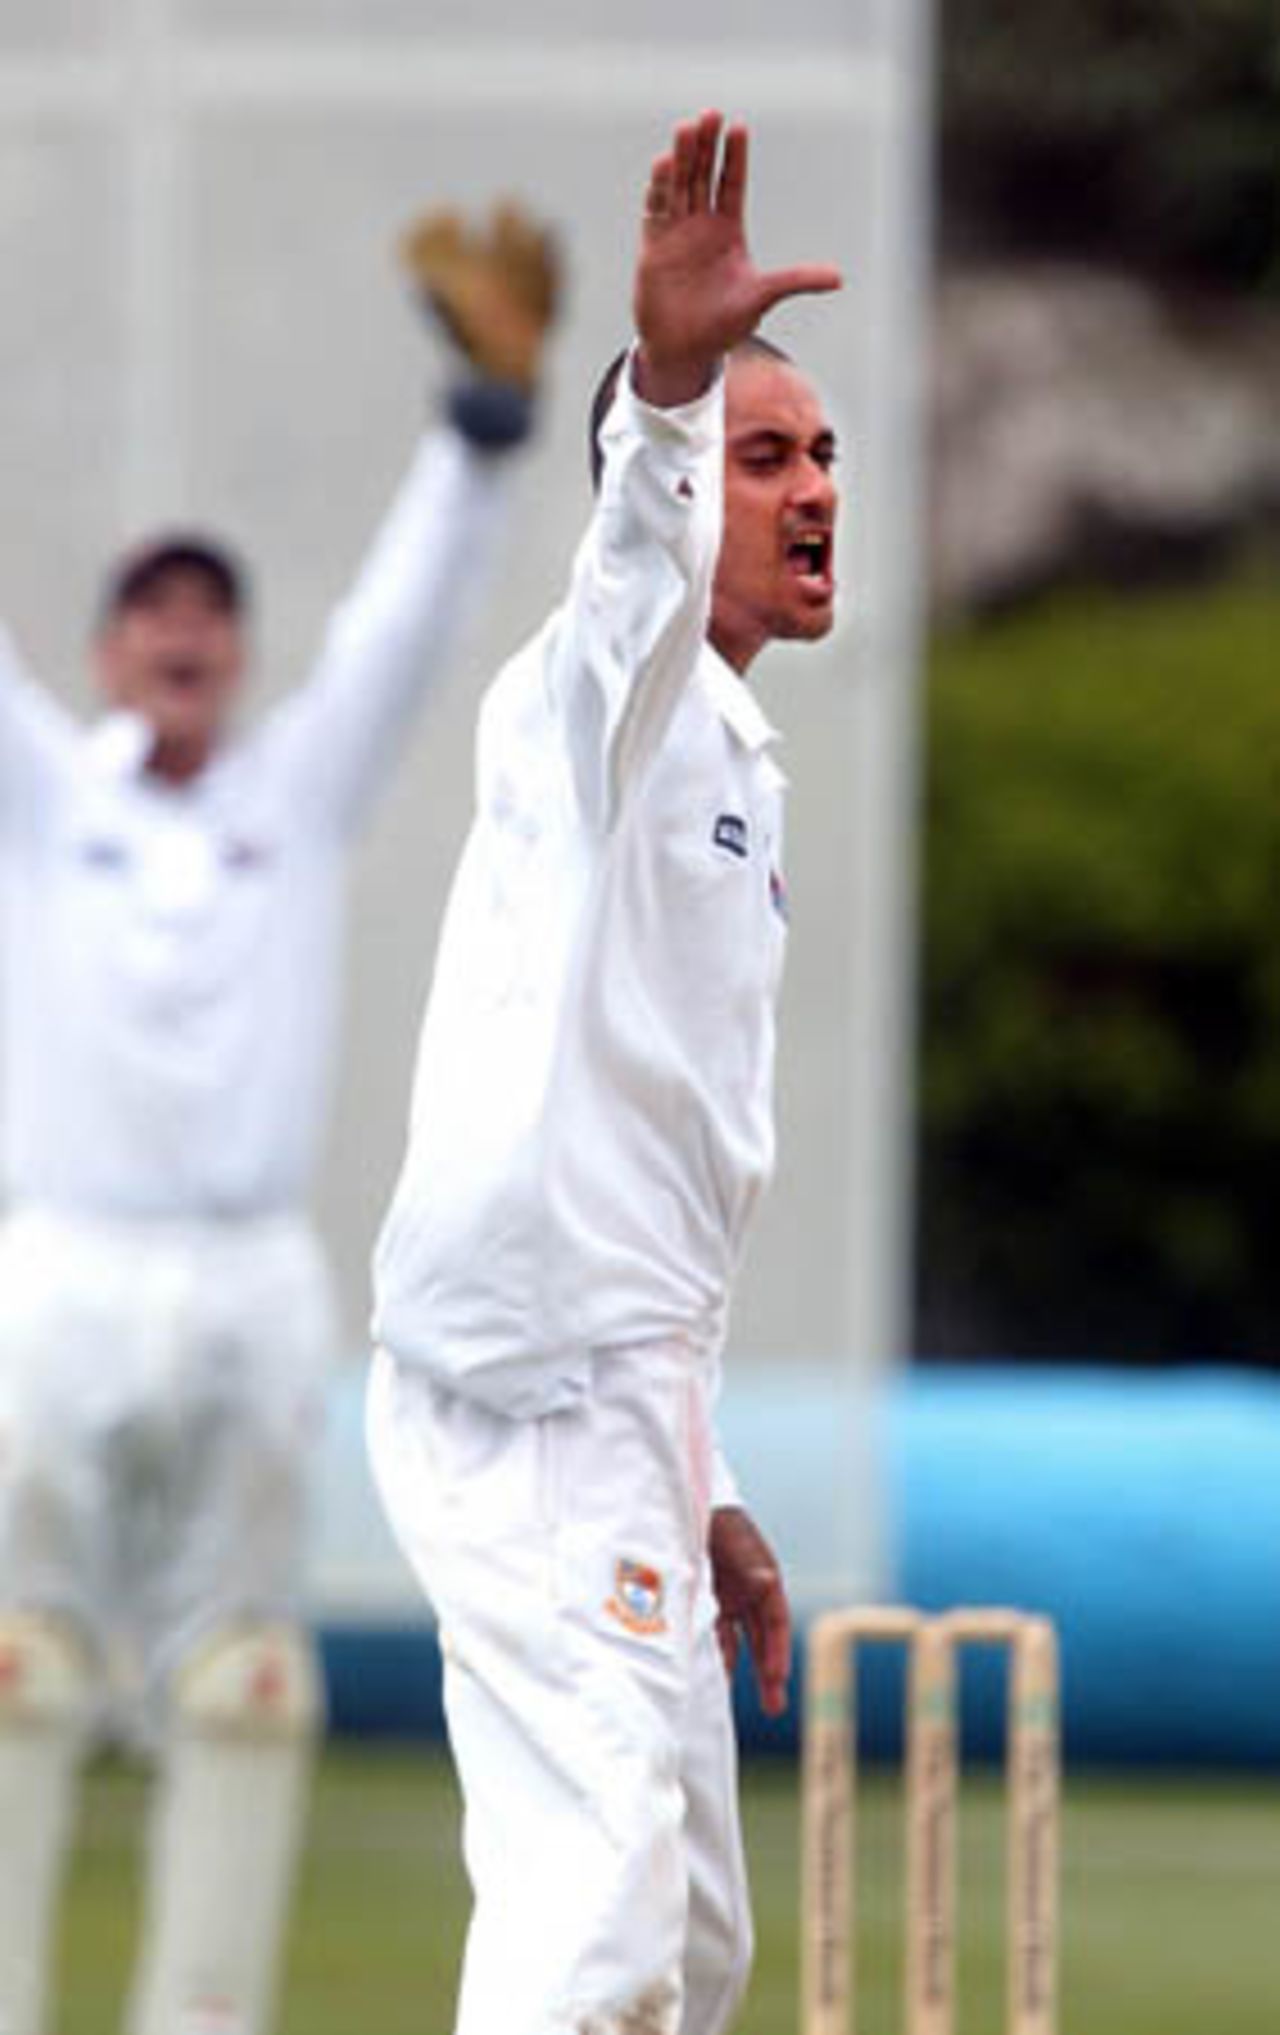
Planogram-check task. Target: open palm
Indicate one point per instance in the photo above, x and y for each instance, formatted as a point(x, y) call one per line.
point(697, 289)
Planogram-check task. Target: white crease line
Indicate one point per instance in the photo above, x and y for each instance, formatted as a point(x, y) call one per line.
point(592, 81)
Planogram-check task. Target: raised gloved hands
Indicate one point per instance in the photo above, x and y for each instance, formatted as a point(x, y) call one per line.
point(494, 288)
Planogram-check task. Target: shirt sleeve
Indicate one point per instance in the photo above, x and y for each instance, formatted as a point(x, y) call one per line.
point(724, 1485)
point(388, 642)
point(627, 641)
point(36, 735)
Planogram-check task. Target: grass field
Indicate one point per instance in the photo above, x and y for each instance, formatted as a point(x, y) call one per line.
point(1172, 1905)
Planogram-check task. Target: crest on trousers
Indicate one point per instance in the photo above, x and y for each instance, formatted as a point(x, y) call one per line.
point(636, 1603)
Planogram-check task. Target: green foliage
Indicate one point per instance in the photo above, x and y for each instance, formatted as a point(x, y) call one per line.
point(1101, 1075)
point(1145, 132)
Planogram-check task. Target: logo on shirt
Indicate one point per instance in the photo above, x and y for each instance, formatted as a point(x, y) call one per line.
point(778, 895)
point(102, 851)
point(241, 851)
point(637, 1599)
point(730, 833)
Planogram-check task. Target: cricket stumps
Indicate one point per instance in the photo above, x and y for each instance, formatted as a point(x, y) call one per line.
point(1032, 1778)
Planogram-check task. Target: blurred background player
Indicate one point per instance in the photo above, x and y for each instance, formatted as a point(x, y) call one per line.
point(173, 909)
point(592, 1127)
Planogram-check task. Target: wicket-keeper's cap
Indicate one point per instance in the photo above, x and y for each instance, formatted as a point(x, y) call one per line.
point(136, 575)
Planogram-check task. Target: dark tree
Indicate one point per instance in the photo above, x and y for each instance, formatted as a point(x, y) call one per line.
point(1144, 133)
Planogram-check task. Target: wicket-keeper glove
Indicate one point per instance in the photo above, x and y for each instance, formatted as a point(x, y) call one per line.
point(495, 290)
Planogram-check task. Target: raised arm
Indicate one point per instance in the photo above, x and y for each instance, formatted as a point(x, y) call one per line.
point(37, 741)
point(629, 637)
point(494, 292)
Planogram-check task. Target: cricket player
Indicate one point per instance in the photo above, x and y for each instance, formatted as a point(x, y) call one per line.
point(591, 1129)
point(172, 900)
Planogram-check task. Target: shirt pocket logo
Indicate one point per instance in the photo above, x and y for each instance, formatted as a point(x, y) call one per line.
point(104, 853)
point(730, 832)
point(246, 854)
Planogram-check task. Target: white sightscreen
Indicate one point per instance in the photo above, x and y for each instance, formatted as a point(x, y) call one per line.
point(201, 318)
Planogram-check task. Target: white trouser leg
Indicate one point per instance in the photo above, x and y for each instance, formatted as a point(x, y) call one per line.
point(160, 1391)
point(719, 1945)
point(565, 1558)
point(225, 1835)
point(44, 1696)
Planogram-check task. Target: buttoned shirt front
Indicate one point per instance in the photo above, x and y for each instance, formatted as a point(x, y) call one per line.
point(592, 1118)
point(171, 953)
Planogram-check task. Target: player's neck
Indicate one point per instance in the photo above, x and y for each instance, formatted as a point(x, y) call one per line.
point(739, 646)
point(176, 760)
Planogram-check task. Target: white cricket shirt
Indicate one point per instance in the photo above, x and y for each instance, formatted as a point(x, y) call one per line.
point(592, 1117)
point(169, 992)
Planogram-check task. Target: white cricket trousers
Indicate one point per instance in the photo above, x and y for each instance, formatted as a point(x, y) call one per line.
point(587, 1703)
point(161, 1394)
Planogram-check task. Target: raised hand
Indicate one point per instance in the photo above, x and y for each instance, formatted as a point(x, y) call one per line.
point(697, 290)
point(494, 288)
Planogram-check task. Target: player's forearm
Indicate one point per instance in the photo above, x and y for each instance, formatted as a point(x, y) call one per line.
point(392, 638)
point(668, 384)
point(660, 494)
point(632, 630)
point(433, 545)
point(36, 738)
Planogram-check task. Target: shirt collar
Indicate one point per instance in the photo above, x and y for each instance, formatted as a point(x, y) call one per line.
point(735, 702)
point(119, 744)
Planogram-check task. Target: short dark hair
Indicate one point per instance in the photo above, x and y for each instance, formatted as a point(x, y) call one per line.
point(755, 345)
point(136, 575)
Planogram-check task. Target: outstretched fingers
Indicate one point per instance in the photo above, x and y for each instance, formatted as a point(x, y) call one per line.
point(808, 279)
point(731, 191)
point(684, 154)
point(693, 152)
point(706, 149)
point(658, 197)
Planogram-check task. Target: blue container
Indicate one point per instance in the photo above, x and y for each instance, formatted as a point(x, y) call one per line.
point(1140, 1511)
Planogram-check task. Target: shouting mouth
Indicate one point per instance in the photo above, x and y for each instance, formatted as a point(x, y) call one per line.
point(809, 560)
point(181, 674)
